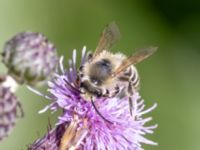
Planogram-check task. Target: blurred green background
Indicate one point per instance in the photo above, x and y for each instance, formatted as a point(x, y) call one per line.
point(171, 77)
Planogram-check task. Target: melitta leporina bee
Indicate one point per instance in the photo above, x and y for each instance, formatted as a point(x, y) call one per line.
point(107, 74)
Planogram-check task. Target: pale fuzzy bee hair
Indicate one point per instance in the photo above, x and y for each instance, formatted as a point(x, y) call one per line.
point(115, 59)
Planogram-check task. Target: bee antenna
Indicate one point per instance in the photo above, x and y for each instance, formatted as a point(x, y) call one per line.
point(99, 112)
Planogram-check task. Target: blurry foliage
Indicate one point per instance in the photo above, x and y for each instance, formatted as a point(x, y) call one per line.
point(170, 77)
point(176, 11)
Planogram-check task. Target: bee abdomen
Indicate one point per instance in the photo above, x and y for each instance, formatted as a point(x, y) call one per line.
point(134, 78)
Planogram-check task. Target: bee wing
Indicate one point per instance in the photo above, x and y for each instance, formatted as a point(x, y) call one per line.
point(108, 37)
point(139, 56)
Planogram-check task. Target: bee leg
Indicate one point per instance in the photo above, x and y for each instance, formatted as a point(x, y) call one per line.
point(113, 92)
point(130, 93)
point(130, 105)
point(97, 111)
point(107, 93)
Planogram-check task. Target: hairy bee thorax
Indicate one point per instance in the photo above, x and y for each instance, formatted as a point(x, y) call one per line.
point(103, 65)
point(96, 76)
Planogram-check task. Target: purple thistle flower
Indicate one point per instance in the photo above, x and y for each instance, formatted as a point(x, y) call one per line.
point(85, 128)
point(10, 108)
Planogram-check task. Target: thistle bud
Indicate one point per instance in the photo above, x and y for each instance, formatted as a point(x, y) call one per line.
point(9, 111)
point(30, 57)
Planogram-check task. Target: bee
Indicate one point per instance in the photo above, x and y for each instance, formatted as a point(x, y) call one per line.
point(107, 74)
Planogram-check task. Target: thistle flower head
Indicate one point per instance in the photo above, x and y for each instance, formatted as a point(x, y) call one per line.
point(29, 57)
point(9, 110)
point(86, 129)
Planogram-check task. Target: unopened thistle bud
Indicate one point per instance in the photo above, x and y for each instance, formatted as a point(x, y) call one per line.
point(30, 57)
point(10, 109)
